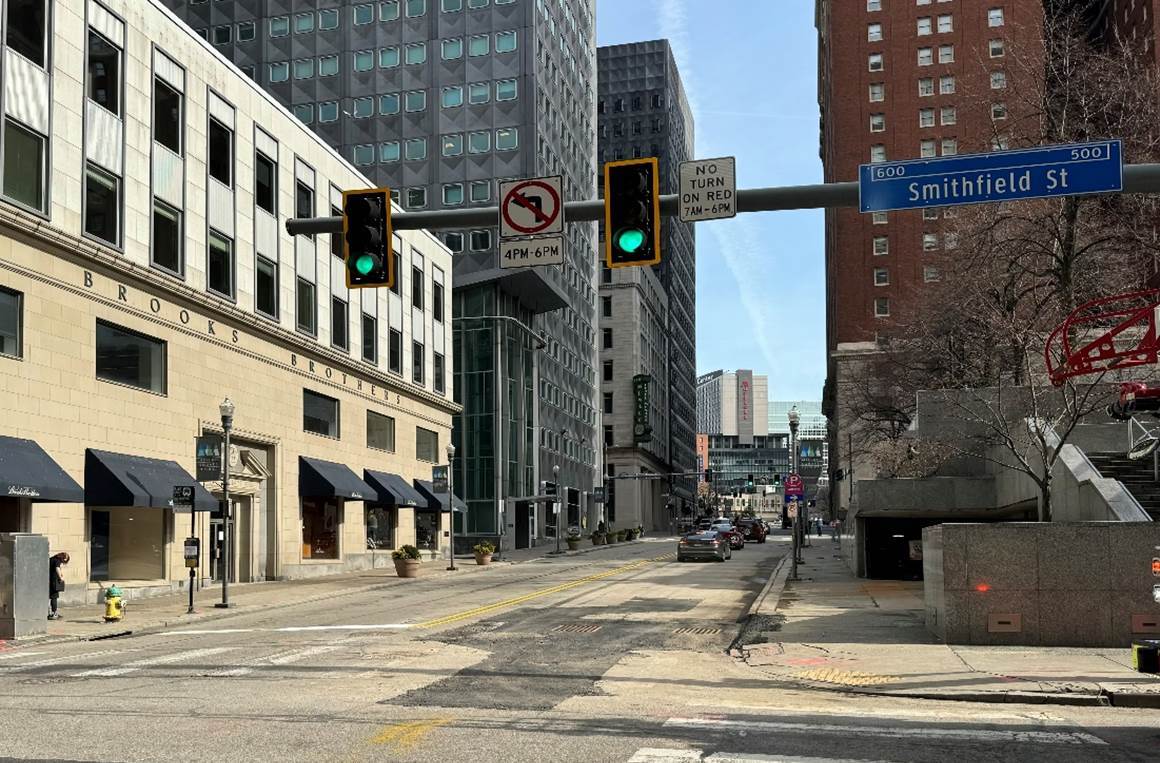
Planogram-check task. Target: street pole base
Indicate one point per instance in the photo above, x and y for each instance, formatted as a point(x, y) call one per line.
point(223, 605)
point(452, 568)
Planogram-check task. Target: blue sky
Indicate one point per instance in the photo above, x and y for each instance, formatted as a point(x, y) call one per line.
point(750, 71)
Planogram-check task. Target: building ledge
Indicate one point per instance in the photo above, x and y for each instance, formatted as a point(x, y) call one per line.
point(528, 285)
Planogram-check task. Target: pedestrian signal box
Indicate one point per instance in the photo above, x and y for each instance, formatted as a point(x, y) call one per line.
point(632, 213)
point(366, 234)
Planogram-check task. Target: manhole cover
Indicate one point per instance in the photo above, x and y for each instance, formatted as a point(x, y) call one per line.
point(576, 628)
point(697, 631)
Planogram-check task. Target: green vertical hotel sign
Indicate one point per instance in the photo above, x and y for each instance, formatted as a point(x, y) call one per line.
point(641, 431)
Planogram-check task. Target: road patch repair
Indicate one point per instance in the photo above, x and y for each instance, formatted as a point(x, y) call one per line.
point(831, 630)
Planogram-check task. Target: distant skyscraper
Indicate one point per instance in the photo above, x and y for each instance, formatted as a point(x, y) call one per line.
point(440, 99)
point(648, 315)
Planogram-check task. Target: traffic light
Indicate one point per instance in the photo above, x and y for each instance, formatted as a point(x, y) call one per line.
point(749, 483)
point(632, 213)
point(549, 488)
point(366, 238)
point(709, 475)
point(777, 479)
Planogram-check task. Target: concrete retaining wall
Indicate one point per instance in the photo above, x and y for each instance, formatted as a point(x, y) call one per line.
point(1057, 584)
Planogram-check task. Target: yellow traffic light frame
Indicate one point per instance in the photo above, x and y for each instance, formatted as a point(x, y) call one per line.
point(389, 240)
point(656, 212)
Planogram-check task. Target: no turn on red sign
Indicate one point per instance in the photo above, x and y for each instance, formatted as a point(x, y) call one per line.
point(531, 207)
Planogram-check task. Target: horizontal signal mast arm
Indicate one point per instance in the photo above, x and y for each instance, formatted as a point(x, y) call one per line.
point(1138, 178)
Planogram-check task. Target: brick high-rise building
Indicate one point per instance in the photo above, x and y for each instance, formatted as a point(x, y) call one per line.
point(903, 79)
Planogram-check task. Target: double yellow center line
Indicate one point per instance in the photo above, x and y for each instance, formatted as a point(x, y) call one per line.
point(485, 609)
point(406, 735)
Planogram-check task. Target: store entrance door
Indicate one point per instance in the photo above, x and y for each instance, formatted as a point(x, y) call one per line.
point(217, 541)
point(523, 524)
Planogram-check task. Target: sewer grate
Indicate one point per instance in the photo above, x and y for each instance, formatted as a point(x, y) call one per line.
point(576, 628)
point(697, 631)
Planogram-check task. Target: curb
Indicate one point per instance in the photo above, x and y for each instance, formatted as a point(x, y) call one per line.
point(777, 580)
point(578, 552)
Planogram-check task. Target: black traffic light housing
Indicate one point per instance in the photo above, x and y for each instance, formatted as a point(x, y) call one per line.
point(708, 475)
point(366, 238)
point(632, 213)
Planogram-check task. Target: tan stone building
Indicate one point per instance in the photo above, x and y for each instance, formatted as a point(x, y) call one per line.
point(146, 275)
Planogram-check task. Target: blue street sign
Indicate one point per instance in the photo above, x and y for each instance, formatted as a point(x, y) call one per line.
point(1030, 173)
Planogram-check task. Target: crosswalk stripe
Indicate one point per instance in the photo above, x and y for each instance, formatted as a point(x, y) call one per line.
point(974, 735)
point(48, 661)
point(15, 655)
point(730, 757)
point(663, 755)
point(288, 657)
point(165, 659)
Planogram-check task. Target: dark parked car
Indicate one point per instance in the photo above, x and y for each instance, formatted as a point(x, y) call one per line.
point(704, 544)
point(726, 528)
point(754, 530)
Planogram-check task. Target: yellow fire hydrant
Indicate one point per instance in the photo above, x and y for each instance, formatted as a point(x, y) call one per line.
point(114, 604)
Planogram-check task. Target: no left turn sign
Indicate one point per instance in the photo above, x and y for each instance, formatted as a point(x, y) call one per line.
point(531, 207)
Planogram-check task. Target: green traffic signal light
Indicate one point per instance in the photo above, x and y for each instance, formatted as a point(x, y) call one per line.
point(630, 240)
point(367, 238)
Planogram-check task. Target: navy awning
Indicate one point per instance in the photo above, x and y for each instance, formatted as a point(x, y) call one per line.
point(117, 479)
point(436, 502)
point(326, 479)
point(393, 490)
point(26, 471)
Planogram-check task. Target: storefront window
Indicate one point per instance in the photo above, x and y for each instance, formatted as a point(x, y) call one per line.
point(127, 544)
point(320, 527)
point(427, 530)
point(380, 528)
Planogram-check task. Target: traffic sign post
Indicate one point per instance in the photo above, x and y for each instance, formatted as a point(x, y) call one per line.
point(527, 252)
point(1066, 170)
point(183, 498)
point(708, 189)
point(531, 222)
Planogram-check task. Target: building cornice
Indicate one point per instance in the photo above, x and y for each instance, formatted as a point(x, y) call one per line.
point(39, 233)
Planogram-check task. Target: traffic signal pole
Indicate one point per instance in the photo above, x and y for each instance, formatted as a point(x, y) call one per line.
point(1138, 178)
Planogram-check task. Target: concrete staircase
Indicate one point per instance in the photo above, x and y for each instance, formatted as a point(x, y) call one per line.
point(1136, 476)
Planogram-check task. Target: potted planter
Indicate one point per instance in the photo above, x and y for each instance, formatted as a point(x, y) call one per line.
point(573, 543)
point(620, 536)
point(611, 537)
point(630, 534)
point(483, 552)
point(406, 562)
point(597, 539)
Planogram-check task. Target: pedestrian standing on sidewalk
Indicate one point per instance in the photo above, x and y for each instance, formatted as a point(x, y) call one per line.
point(55, 582)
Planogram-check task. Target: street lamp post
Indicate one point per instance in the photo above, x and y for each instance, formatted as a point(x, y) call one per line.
point(451, 499)
point(797, 517)
point(226, 409)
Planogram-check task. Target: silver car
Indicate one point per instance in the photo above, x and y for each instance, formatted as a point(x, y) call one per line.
point(704, 544)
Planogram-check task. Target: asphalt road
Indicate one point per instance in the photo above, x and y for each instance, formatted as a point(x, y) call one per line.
point(619, 655)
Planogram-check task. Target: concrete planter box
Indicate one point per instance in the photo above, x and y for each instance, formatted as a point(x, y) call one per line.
point(1083, 584)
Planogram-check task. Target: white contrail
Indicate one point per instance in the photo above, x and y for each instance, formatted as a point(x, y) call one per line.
point(738, 240)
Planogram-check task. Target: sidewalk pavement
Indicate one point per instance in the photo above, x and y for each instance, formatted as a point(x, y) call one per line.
point(86, 623)
point(833, 630)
